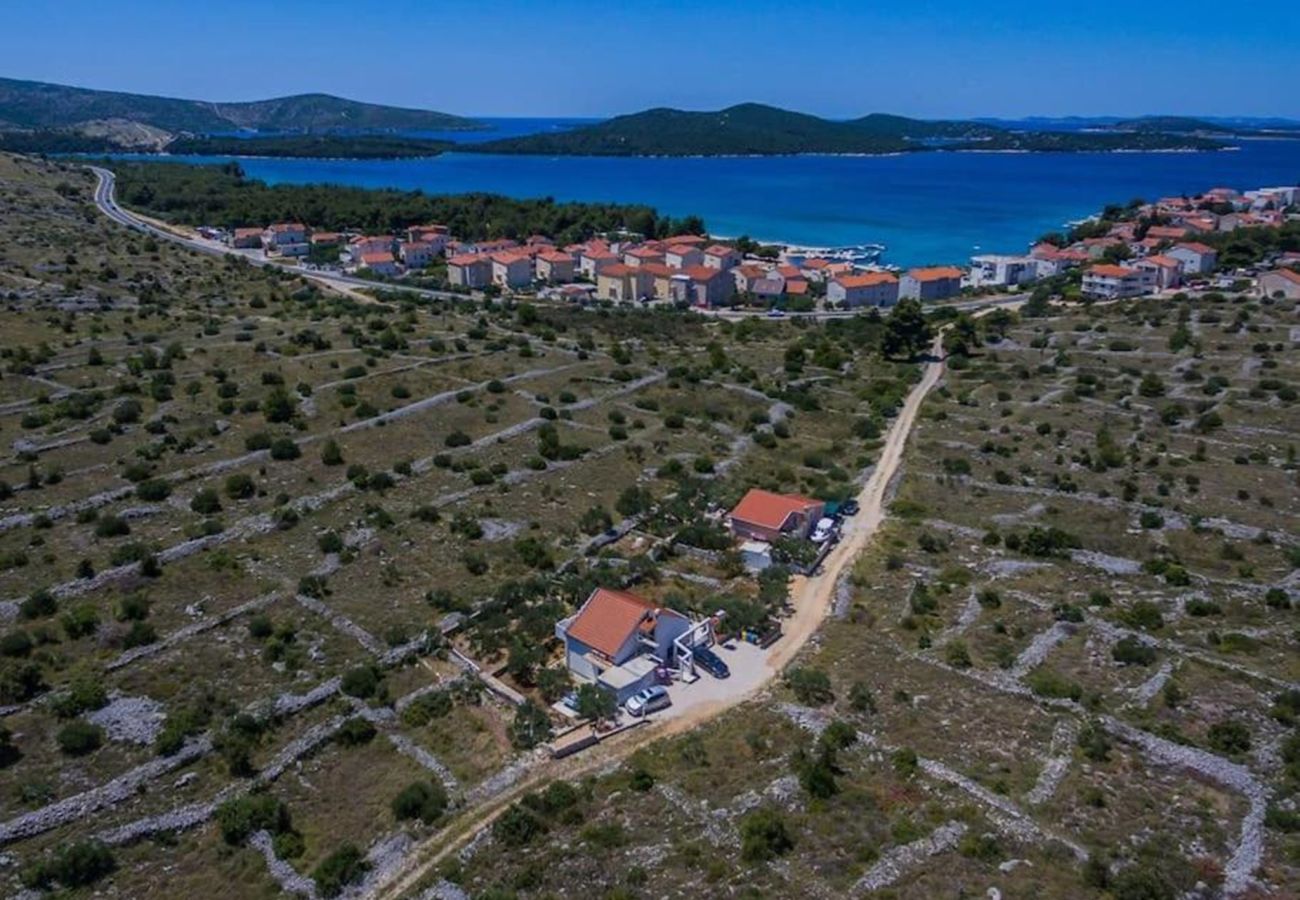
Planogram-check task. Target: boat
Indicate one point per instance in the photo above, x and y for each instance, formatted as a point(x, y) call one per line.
point(858, 254)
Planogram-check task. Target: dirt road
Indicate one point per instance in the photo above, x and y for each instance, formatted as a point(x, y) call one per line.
point(811, 598)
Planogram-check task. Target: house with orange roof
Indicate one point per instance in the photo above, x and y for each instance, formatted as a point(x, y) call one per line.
point(685, 240)
point(619, 640)
point(815, 268)
point(722, 257)
point(416, 254)
point(1168, 271)
point(930, 283)
point(766, 516)
point(867, 289)
point(1280, 283)
point(1197, 258)
point(511, 269)
point(379, 262)
point(555, 266)
point(638, 255)
point(683, 256)
point(622, 283)
point(595, 258)
point(1106, 282)
point(286, 239)
point(469, 270)
point(1166, 232)
point(743, 276)
point(246, 238)
point(710, 287)
point(796, 287)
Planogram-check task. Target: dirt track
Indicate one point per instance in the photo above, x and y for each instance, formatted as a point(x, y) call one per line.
point(811, 598)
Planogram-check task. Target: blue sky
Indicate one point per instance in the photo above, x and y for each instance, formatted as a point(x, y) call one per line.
point(563, 57)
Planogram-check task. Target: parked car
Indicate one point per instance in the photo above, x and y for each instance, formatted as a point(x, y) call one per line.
point(849, 508)
point(776, 314)
point(648, 701)
point(822, 533)
point(710, 662)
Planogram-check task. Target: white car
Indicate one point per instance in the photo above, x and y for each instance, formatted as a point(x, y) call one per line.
point(648, 700)
point(822, 533)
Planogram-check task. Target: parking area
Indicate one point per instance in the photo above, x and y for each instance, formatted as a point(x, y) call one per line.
point(748, 665)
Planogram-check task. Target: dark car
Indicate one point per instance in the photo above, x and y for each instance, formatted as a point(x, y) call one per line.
point(710, 662)
point(849, 508)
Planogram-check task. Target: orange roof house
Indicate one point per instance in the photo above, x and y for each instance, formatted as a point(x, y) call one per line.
point(767, 516)
point(617, 639)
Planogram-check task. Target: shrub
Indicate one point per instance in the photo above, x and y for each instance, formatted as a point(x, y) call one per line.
point(531, 726)
point(75, 865)
point(344, 866)
point(258, 440)
point(1143, 614)
point(810, 686)
point(330, 454)
point(283, 448)
point(1228, 737)
point(153, 490)
point(205, 502)
point(1046, 683)
point(763, 836)
point(361, 682)
point(110, 526)
point(80, 737)
point(240, 487)
point(41, 603)
point(517, 826)
point(1131, 651)
point(238, 818)
point(355, 732)
point(421, 800)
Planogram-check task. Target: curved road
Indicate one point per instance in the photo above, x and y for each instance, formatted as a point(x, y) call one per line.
point(106, 200)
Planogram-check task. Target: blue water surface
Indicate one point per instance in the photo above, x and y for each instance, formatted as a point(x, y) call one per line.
point(924, 207)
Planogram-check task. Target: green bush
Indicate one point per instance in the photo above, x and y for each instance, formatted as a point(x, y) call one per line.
point(421, 800)
point(764, 836)
point(74, 865)
point(345, 866)
point(241, 816)
point(79, 738)
point(810, 686)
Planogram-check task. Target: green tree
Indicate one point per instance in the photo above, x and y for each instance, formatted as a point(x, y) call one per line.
point(907, 333)
point(595, 703)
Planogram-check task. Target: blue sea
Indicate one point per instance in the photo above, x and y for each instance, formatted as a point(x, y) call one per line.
point(924, 207)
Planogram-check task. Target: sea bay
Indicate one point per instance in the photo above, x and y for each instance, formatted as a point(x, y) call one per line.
point(924, 207)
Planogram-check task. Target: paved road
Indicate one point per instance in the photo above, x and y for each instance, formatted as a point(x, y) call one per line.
point(106, 200)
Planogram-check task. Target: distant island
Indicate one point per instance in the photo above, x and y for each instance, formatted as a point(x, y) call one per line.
point(752, 129)
point(51, 112)
point(37, 117)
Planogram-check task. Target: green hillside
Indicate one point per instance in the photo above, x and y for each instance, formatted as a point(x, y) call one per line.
point(39, 105)
point(747, 129)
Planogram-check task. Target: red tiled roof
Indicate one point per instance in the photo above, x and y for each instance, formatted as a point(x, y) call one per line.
point(555, 256)
point(608, 619)
point(870, 279)
point(935, 273)
point(466, 259)
point(769, 510)
point(617, 270)
point(1195, 248)
point(718, 250)
point(1164, 262)
point(796, 286)
point(379, 256)
point(691, 240)
point(1111, 271)
point(816, 263)
point(1289, 274)
point(659, 270)
point(701, 273)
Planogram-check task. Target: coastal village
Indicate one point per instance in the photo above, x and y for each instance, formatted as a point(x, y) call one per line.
point(1153, 248)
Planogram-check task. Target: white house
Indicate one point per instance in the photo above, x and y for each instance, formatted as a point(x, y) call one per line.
point(1113, 282)
point(1197, 259)
point(997, 270)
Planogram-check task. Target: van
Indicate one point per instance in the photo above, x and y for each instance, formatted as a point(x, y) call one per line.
point(648, 701)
